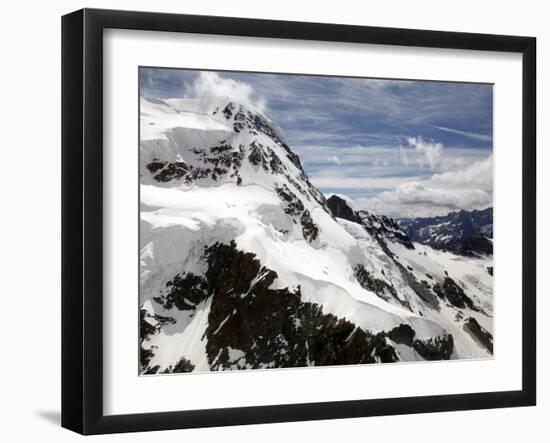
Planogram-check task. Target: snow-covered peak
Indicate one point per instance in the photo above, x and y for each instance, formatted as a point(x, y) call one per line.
point(214, 140)
point(179, 112)
point(211, 105)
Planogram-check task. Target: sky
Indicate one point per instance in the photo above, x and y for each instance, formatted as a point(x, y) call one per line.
point(397, 147)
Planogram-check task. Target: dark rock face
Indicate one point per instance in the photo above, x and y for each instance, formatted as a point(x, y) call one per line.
point(273, 327)
point(145, 329)
point(256, 156)
point(183, 365)
point(292, 157)
point(149, 325)
point(454, 294)
point(155, 166)
point(266, 158)
point(402, 334)
point(228, 110)
point(481, 335)
point(243, 119)
point(380, 287)
point(341, 209)
point(215, 162)
point(165, 172)
point(421, 289)
point(310, 231)
point(384, 227)
point(438, 348)
point(293, 205)
point(463, 232)
point(252, 325)
point(185, 292)
point(381, 227)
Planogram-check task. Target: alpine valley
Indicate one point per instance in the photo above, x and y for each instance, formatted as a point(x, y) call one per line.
point(245, 264)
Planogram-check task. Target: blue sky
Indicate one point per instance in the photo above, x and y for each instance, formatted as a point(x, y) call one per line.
point(403, 148)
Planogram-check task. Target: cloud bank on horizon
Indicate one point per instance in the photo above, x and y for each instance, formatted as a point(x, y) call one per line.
point(397, 147)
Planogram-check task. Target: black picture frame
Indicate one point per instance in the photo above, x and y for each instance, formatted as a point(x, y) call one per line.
point(82, 219)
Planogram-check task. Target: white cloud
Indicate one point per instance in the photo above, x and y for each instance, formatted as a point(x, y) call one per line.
point(478, 174)
point(469, 188)
point(334, 159)
point(211, 84)
point(463, 178)
point(423, 153)
point(435, 156)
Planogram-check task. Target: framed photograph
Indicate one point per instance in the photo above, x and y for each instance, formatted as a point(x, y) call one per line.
point(270, 221)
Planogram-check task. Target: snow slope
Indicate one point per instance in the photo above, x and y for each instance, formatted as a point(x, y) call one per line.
point(244, 264)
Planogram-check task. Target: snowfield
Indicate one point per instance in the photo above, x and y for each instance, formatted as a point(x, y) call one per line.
point(244, 264)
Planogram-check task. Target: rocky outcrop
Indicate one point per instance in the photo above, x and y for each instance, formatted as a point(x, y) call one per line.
point(340, 208)
point(294, 207)
point(454, 294)
point(185, 291)
point(310, 231)
point(149, 325)
point(165, 172)
point(380, 227)
point(403, 334)
point(380, 287)
point(183, 365)
point(419, 287)
point(438, 348)
point(481, 335)
point(253, 325)
point(292, 204)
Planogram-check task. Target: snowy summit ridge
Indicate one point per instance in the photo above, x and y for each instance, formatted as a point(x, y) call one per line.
point(245, 264)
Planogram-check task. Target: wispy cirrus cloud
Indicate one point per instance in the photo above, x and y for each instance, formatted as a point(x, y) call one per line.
point(472, 135)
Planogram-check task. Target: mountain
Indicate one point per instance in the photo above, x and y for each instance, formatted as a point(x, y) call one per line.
point(463, 232)
point(377, 226)
point(244, 264)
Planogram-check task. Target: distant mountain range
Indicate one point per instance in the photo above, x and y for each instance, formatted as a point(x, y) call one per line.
point(462, 232)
